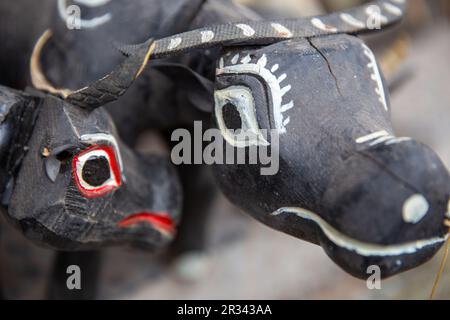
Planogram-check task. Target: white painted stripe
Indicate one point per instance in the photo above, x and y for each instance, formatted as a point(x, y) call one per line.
point(281, 30)
point(347, 18)
point(372, 136)
point(246, 29)
point(174, 43)
point(360, 247)
point(380, 140)
point(396, 11)
point(316, 22)
point(397, 140)
point(207, 36)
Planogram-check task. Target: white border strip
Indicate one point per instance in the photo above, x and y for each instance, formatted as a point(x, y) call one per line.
point(360, 247)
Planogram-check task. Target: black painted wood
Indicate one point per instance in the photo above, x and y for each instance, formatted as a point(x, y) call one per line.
point(344, 179)
point(68, 216)
point(351, 188)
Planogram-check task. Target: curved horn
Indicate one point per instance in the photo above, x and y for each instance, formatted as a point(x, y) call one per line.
point(104, 90)
point(116, 83)
point(372, 16)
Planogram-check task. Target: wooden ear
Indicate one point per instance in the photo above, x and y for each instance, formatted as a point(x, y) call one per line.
point(199, 90)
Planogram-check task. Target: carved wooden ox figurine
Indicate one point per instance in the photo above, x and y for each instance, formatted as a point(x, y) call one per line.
point(69, 183)
point(344, 181)
point(89, 189)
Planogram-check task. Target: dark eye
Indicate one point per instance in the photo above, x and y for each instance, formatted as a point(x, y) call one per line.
point(96, 172)
point(231, 117)
point(235, 110)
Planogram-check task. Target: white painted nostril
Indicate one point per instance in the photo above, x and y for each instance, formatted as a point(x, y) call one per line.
point(415, 208)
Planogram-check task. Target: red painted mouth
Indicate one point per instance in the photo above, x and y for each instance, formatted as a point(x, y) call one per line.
point(159, 220)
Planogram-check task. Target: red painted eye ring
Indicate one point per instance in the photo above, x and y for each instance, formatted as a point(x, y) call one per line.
point(111, 184)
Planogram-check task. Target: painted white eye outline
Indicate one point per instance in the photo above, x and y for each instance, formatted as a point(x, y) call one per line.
point(272, 82)
point(102, 138)
point(242, 99)
point(95, 152)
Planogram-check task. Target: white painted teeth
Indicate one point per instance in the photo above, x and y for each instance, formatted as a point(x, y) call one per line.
point(376, 76)
point(285, 90)
point(282, 77)
point(287, 106)
point(262, 61)
point(246, 59)
point(235, 59)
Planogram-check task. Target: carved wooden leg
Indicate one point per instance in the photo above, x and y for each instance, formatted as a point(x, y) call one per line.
point(62, 275)
point(198, 193)
point(189, 246)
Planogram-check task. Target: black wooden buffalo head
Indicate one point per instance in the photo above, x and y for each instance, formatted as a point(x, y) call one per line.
point(69, 182)
point(345, 181)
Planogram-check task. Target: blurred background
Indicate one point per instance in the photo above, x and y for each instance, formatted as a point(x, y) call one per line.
point(245, 259)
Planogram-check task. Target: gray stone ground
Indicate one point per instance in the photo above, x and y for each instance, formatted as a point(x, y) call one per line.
point(250, 261)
